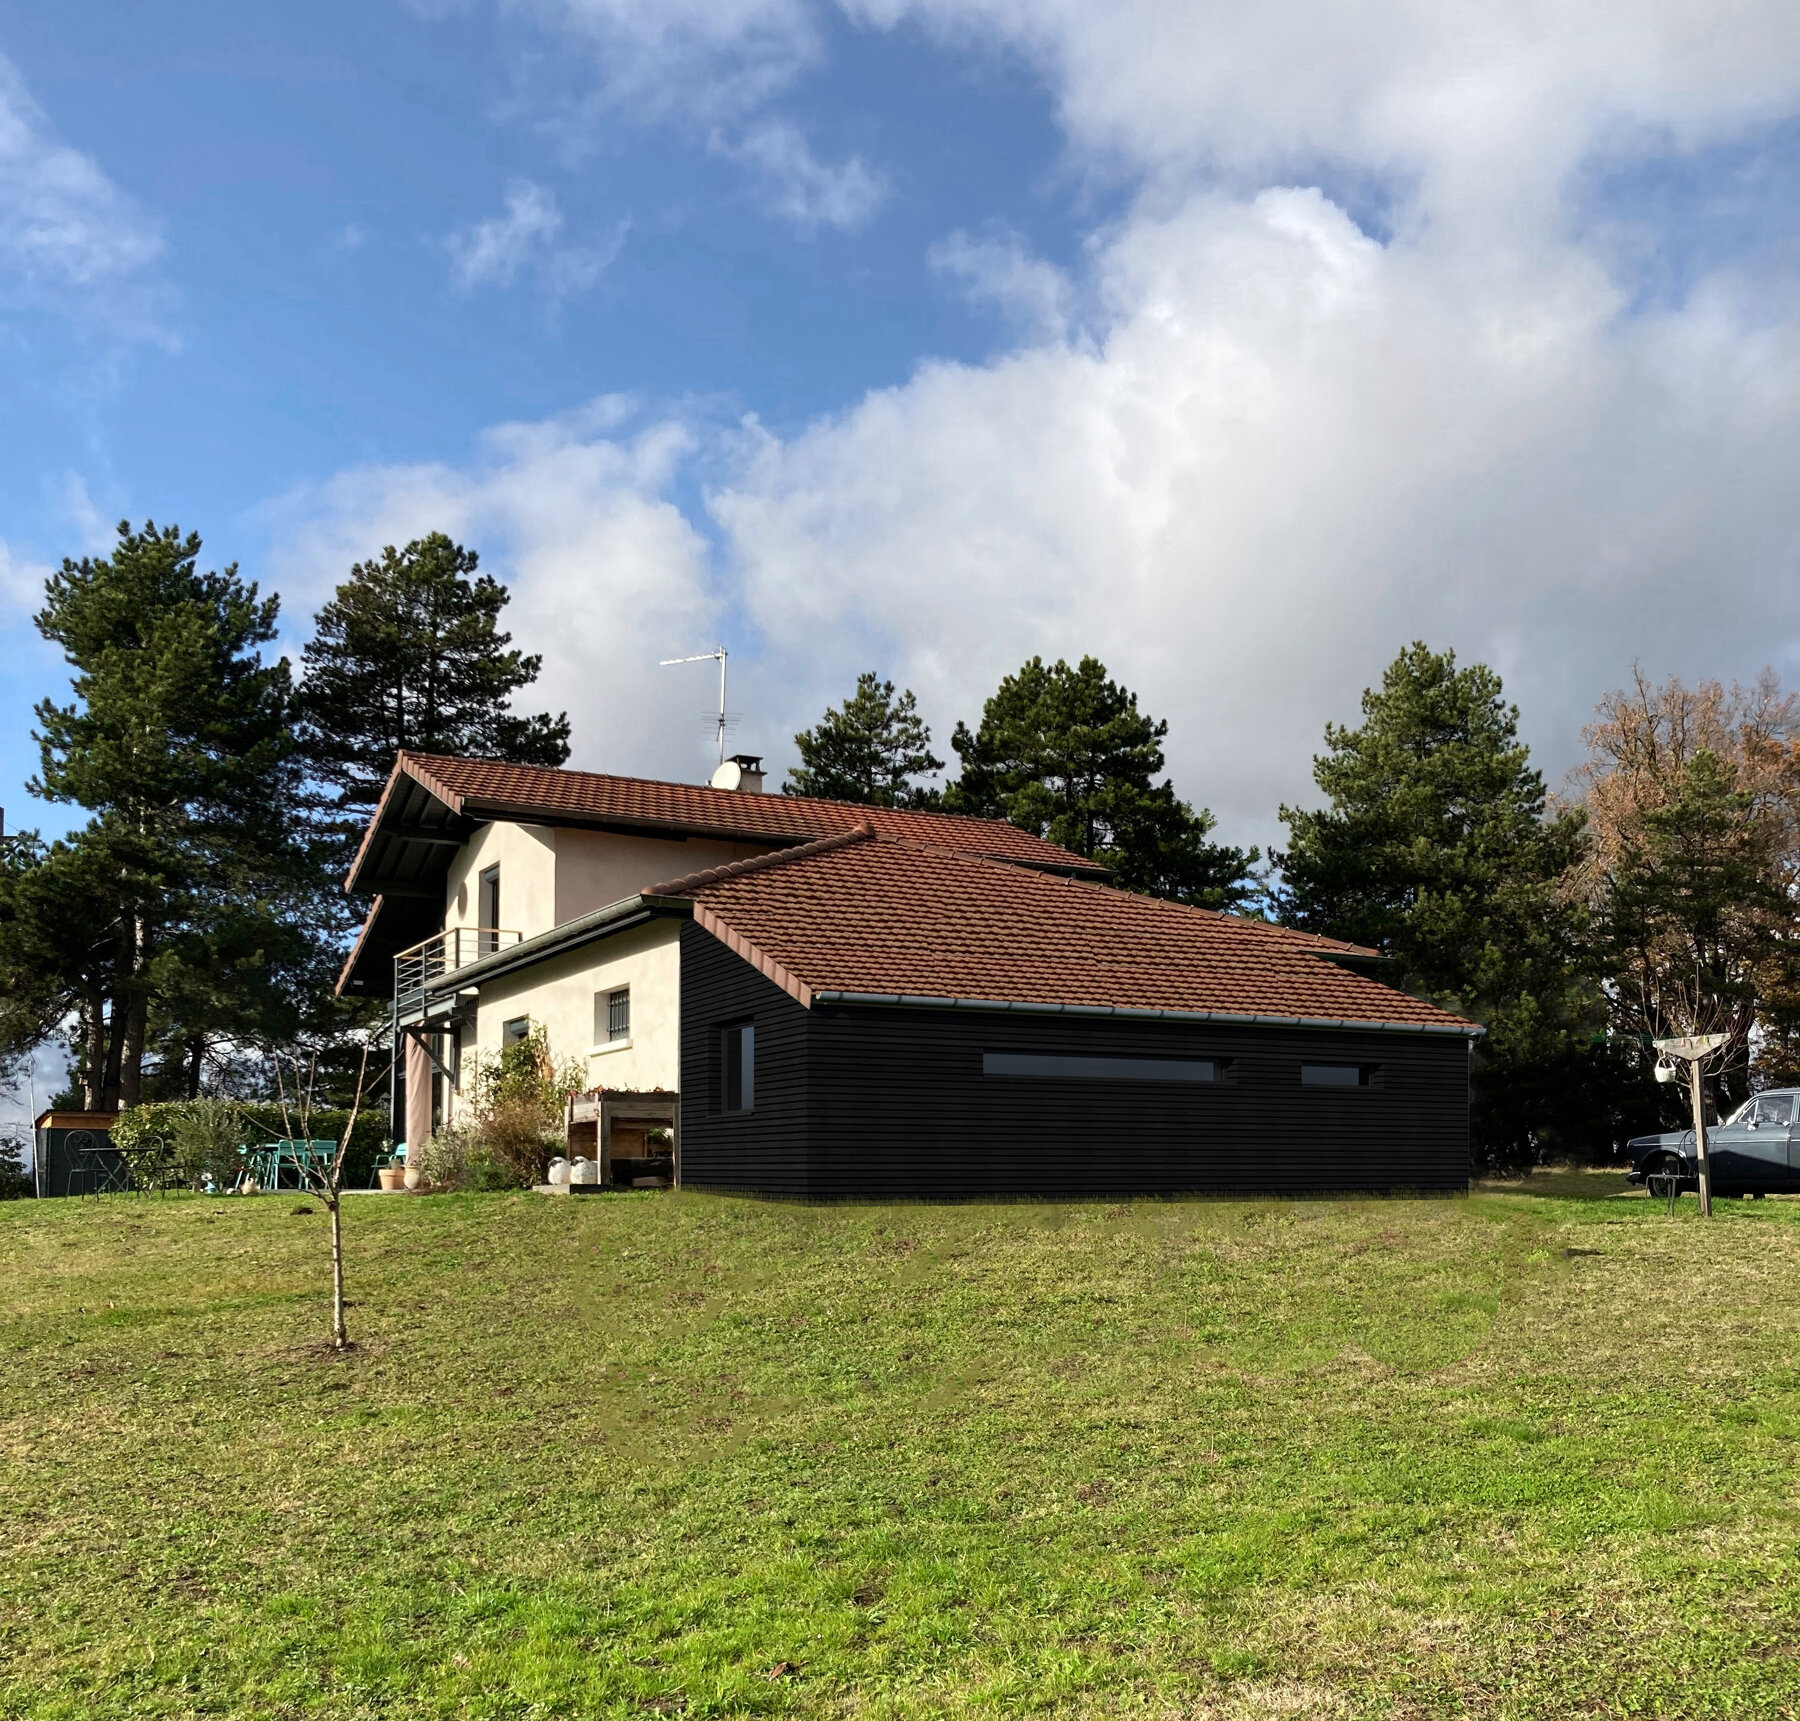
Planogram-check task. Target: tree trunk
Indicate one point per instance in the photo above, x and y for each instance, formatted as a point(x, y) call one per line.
point(93, 1062)
point(115, 1050)
point(137, 1021)
point(196, 1059)
point(340, 1337)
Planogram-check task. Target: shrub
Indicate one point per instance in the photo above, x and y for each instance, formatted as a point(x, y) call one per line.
point(517, 1125)
point(458, 1157)
point(193, 1137)
point(15, 1180)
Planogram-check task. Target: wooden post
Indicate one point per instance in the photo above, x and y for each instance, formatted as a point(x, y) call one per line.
point(1696, 1094)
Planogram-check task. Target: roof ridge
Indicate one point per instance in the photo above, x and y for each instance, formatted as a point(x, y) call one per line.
point(761, 863)
point(779, 795)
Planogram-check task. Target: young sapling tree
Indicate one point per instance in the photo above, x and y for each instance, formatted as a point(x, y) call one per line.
point(324, 1178)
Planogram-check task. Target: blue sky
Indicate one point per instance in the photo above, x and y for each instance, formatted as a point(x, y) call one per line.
point(1237, 346)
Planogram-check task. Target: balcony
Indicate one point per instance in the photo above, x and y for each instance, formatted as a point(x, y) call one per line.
point(428, 970)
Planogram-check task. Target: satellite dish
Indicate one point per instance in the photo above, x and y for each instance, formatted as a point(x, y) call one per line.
point(730, 775)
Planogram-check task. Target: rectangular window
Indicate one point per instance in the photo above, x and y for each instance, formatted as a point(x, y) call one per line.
point(618, 1013)
point(519, 1028)
point(738, 1090)
point(1340, 1075)
point(487, 910)
point(1071, 1067)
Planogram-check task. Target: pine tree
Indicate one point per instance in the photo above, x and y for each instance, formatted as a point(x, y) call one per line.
point(408, 654)
point(1436, 848)
point(1066, 753)
point(178, 745)
point(869, 750)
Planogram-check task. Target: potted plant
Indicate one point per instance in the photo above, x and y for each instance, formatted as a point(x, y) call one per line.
point(391, 1172)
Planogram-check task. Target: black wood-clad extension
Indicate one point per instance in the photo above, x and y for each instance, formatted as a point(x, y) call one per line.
point(856, 1100)
point(764, 1149)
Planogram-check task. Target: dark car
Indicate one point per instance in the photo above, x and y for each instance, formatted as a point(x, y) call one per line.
point(1755, 1151)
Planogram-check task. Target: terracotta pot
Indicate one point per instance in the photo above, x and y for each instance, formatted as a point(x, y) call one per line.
point(413, 1178)
point(392, 1176)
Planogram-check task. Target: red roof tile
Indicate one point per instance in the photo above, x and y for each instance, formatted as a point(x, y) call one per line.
point(482, 785)
point(864, 915)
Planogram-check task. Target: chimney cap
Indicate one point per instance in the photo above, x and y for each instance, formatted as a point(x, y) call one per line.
point(741, 771)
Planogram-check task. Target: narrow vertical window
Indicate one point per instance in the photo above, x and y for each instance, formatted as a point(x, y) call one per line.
point(487, 910)
point(739, 1087)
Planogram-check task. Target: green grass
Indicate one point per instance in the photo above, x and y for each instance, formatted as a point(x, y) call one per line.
point(1536, 1452)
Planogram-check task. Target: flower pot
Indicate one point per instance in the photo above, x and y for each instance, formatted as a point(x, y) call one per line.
point(413, 1178)
point(392, 1176)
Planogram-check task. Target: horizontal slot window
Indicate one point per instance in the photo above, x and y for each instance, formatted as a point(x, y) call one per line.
point(1340, 1075)
point(1075, 1067)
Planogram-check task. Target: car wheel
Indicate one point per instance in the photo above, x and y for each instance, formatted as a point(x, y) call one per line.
point(1663, 1180)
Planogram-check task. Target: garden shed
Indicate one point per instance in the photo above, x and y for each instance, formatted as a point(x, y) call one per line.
point(74, 1154)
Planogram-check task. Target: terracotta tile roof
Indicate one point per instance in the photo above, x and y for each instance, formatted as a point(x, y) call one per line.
point(483, 785)
point(861, 914)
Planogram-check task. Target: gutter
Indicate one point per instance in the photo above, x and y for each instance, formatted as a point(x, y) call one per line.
point(571, 935)
point(909, 1000)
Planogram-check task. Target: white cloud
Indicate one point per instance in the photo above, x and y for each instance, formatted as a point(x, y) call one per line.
point(1492, 104)
point(999, 270)
point(21, 584)
point(70, 240)
point(799, 187)
point(1281, 448)
point(699, 61)
point(494, 252)
point(607, 576)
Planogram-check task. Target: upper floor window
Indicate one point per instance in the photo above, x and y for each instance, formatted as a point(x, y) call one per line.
point(519, 1028)
point(487, 909)
point(738, 1089)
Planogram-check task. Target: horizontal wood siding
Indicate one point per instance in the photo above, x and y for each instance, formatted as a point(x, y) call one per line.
point(861, 1101)
point(764, 1149)
point(901, 1107)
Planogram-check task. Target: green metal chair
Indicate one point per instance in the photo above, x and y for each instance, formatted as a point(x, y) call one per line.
point(266, 1165)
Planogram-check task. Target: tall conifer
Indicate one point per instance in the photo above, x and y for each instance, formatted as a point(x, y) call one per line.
point(1065, 752)
point(871, 749)
point(177, 744)
point(409, 654)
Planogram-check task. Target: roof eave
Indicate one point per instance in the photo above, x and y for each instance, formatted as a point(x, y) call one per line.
point(913, 1000)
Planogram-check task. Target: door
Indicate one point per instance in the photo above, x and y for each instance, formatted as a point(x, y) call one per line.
point(1766, 1148)
point(1730, 1146)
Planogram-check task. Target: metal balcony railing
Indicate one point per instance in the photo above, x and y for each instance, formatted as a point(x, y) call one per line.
point(433, 961)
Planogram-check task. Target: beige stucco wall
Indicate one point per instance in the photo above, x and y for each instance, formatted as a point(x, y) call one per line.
point(560, 993)
point(594, 868)
point(526, 856)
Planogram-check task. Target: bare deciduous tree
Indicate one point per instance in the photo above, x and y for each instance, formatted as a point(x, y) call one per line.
point(323, 1179)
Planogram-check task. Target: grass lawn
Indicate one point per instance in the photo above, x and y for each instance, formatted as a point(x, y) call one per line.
point(1529, 1453)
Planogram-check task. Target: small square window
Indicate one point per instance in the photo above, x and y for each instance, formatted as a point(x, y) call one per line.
point(738, 1088)
point(519, 1028)
point(618, 1014)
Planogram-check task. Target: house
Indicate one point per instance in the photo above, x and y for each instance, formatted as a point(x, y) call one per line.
point(863, 1001)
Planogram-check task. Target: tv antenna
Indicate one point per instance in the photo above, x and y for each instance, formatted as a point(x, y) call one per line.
point(721, 654)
